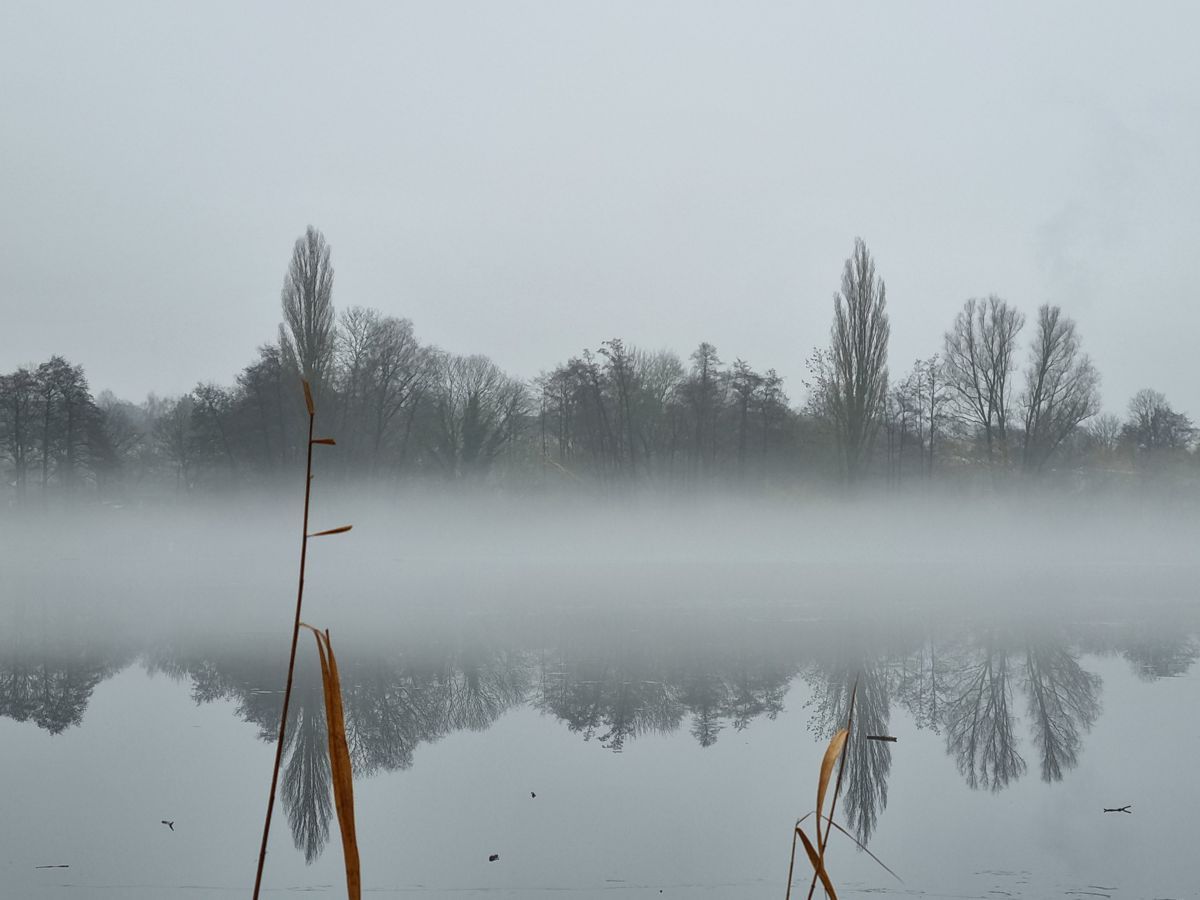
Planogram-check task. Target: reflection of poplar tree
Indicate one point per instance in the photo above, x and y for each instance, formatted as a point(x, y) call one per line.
point(391, 707)
point(307, 785)
point(868, 763)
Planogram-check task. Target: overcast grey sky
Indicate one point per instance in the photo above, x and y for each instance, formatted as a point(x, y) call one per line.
point(528, 179)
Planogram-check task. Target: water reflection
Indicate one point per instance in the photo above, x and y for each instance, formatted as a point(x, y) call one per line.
point(995, 694)
point(1062, 701)
point(979, 716)
point(393, 702)
point(615, 692)
point(50, 682)
point(1154, 657)
point(868, 763)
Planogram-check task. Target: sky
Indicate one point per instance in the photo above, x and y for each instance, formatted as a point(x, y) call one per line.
point(526, 180)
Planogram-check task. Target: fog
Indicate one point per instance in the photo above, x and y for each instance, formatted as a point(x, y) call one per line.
point(229, 565)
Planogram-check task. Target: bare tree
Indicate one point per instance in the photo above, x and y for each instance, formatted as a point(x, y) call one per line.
point(18, 394)
point(211, 410)
point(1154, 429)
point(175, 433)
point(127, 429)
point(67, 413)
point(901, 420)
point(980, 358)
point(383, 373)
point(745, 383)
point(659, 376)
point(702, 393)
point(859, 375)
point(1061, 388)
point(1104, 438)
point(357, 328)
point(931, 396)
point(621, 373)
point(773, 409)
point(307, 332)
point(478, 409)
point(403, 373)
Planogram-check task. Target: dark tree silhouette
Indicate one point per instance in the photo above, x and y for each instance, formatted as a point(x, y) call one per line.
point(1061, 388)
point(858, 375)
point(307, 334)
point(980, 358)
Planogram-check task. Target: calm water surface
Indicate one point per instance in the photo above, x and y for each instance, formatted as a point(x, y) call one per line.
point(665, 755)
point(646, 729)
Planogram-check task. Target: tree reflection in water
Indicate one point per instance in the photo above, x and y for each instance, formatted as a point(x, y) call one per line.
point(307, 780)
point(613, 688)
point(1063, 702)
point(633, 686)
point(52, 689)
point(868, 763)
point(1162, 657)
point(979, 721)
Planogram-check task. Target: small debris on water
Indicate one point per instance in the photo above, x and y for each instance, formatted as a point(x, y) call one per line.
point(493, 857)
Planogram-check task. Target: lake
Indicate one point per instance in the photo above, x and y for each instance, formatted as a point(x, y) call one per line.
point(603, 740)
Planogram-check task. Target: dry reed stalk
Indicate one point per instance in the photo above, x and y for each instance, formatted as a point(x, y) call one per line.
point(291, 671)
point(836, 751)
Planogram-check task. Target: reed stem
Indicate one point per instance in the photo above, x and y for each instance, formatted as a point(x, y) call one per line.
point(287, 692)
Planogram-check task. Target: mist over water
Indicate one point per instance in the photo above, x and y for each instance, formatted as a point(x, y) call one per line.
point(226, 565)
point(677, 661)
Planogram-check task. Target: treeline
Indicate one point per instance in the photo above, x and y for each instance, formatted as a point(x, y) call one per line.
point(998, 399)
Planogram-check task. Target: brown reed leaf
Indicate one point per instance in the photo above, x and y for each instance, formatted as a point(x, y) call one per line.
point(832, 752)
point(340, 530)
point(818, 863)
point(339, 761)
point(308, 400)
